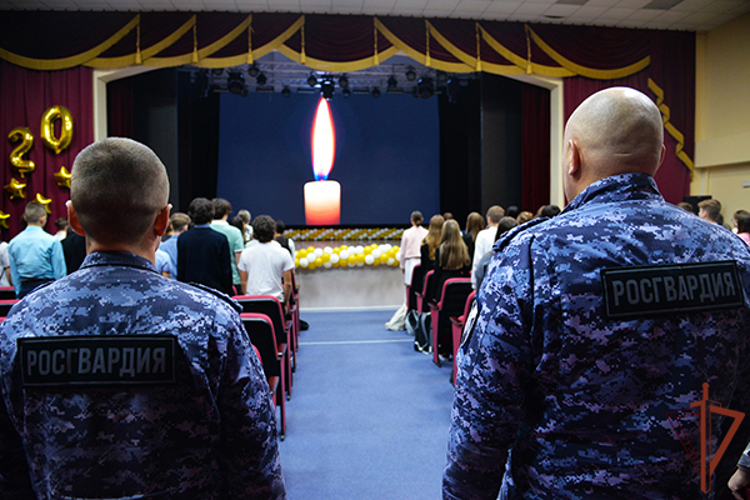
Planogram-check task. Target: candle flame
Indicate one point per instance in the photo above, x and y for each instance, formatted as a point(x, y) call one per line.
point(323, 141)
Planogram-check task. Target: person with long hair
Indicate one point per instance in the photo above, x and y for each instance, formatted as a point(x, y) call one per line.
point(431, 242)
point(742, 221)
point(451, 259)
point(474, 224)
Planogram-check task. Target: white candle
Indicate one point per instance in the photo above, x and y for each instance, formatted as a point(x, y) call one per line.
point(322, 203)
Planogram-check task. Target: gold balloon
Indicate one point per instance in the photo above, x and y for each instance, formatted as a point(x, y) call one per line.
point(15, 189)
point(4, 220)
point(44, 201)
point(16, 156)
point(48, 128)
point(62, 177)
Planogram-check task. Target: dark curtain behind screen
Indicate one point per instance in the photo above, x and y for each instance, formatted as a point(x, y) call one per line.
point(535, 140)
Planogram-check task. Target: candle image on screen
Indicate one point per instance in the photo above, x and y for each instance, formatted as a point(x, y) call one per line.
point(323, 197)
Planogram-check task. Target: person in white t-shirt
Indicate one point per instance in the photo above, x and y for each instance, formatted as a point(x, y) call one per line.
point(4, 264)
point(485, 239)
point(264, 265)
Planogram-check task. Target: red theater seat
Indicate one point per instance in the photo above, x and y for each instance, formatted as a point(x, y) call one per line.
point(452, 303)
point(457, 328)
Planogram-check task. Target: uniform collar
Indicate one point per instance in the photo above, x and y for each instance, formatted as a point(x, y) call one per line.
point(117, 259)
point(617, 188)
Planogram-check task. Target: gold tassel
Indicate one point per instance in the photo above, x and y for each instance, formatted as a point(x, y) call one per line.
point(479, 48)
point(138, 56)
point(528, 50)
point(427, 48)
point(302, 57)
point(376, 57)
point(195, 41)
point(250, 58)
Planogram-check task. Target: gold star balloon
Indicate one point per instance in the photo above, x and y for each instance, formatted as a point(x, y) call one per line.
point(15, 189)
point(62, 177)
point(44, 201)
point(4, 219)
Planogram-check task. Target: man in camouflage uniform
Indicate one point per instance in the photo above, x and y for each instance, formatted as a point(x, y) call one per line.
point(118, 383)
point(593, 326)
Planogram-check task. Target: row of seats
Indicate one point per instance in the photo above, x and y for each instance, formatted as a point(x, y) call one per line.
point(448, 314)
point(274, 336)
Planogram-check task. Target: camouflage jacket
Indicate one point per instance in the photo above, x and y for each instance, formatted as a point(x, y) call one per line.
point(118, 383)
point(566, 381)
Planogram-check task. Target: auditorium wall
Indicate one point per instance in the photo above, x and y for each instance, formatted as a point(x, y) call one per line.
point(722, 128)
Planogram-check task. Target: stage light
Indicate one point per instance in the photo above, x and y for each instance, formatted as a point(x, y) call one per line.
point(312, 81)
point(393, 86)
point(410, 74)
point(327, 88)
point(375, 92)
point(286, 91)
point(442, 77)
point(346, 92)
point(425, 87)
point(262, 79)
point(236, 84)
point(343, 82)
point(217, 71)
point(254, 71)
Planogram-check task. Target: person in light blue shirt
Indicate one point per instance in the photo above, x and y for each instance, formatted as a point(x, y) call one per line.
point(36, 256)
point(179, 222)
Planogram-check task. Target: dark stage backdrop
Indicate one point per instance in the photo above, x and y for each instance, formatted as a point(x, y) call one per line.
point(387, 156)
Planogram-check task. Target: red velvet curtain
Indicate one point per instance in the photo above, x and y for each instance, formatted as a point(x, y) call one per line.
point(535, 157)
point(26, 96)
point(120, 108)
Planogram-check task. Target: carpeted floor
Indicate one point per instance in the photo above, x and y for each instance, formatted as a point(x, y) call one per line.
point(369, 415)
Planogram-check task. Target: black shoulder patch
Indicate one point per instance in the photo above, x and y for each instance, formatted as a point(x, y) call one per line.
point(87, 360)
point(223, 296)
point(630, 292)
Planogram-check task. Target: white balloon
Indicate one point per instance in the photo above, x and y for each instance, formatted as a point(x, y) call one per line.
point(376, 253)
point(398, 256)
point(328, 250)
point(318, 252)
point(344, 254)
point(391, 261)
point(360, 264)
point(304, 262)
point(360, 249)
point(335, 259)
point(328, 265)
point(369, 259)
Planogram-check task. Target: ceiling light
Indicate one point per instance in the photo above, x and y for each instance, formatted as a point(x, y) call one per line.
point(261, 79)
point(343, 82)
point(425, 87)
point(312, 81)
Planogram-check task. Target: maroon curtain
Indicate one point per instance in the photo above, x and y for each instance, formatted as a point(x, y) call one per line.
point(535, 155)
point(673, 177)
point(26, 96)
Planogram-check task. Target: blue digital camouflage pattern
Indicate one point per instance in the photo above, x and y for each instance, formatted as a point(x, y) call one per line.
point(553, 400)
point(212, 435)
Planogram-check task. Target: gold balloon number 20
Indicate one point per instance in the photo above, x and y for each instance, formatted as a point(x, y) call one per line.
point(56, 144)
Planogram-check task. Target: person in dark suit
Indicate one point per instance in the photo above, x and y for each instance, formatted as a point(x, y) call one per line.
point(202, 253)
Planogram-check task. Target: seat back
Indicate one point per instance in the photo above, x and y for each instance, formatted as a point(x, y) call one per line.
point(259, 328)
point(268, 305)
point(423, 306)
point(417, 279)
point(7, 293)
point(5, 306)
point(453, 300)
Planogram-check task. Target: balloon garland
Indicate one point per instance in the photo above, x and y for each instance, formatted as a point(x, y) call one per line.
point(345, 256)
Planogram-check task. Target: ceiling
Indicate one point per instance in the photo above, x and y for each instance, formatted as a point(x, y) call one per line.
point(688, 15)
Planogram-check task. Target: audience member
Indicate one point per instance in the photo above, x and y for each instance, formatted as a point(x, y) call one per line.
point(550, 211)
point(162, 263)
point(686, 206)
point(512, 211)
point(505, 225)
point(282, 240)
point(4, 264)
point(709, 210)
point(568, 378)
point(411, 240)
point(485, 238)
point(741, 478)
point(74, 250)
point(202, 253)
point(239, 223)
point(191, 417)
point(742, 221)
point(36, 257)
point(179, 223)
point(448, 216)
point(266, 268)
point(524, 217)
point(247, 218)
point(62, 225)
point(430, 243)
point(474, 224)
point(222, 209)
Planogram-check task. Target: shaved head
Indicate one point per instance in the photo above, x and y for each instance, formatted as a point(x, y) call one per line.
point(615, 131)
point(117, 187)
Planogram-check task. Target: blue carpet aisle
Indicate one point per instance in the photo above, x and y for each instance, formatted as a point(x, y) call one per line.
point(369, 416)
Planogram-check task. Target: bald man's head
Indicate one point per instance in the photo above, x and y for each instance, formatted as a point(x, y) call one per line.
point(615, 131)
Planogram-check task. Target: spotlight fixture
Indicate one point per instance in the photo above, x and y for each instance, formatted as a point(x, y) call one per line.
point(217, 71)
point(425, 87)
point(326, 88)
point(442, 77)
point(236, 84)
point(343, 82)
point(346, 92)
point(261, 79)
point(410, 74)
point(312, 80)
point(254, 71)
point(393, 86)
point(286, 91)
point(375, 92)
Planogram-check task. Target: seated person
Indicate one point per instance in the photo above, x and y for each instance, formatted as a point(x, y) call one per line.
point(742, 221)
point(474, 224)
point(452, 260)
point(430, 243)
point(505, 225)
point(264, 265)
